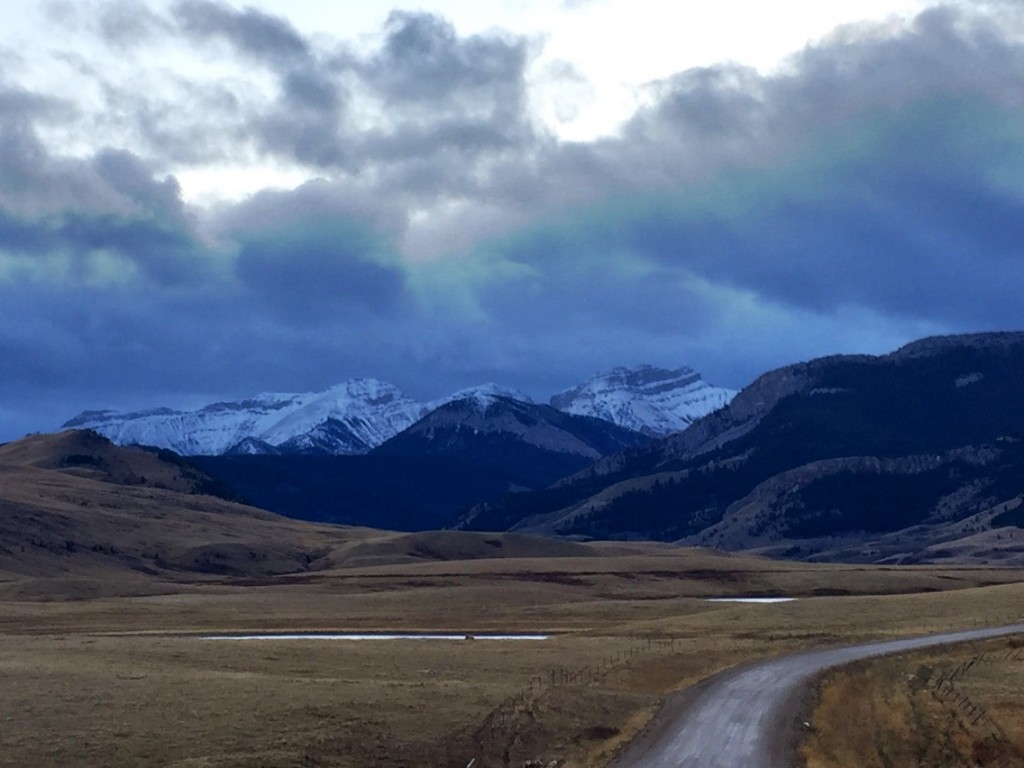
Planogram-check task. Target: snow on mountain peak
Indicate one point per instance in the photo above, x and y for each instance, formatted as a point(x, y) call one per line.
point(351, 417)
point(648, 399)
point(357, 415)
point(483, 395)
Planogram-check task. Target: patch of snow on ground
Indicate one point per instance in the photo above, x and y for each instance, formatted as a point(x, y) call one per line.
point(759, 600)
point(346, 636)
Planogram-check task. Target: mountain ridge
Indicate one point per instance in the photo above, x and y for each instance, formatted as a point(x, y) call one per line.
point(466, 451)
point(359, 415)
point(650, 400)
point(337, 417)
point(829, 421)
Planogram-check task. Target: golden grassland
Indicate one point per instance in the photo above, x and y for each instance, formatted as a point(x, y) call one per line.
point(960, 706)
point(110, 575)
point(126, 681)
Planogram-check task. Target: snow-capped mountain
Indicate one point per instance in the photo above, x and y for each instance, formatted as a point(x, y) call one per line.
point(349, 418)
point(532, 445)
point(654, 401)
point(481, 396)
point(361, 414)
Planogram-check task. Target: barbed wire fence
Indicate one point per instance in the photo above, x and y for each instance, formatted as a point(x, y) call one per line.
point(942, 685)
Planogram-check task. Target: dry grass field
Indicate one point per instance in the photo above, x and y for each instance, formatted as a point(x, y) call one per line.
point(954, 707)
point(110, 577)
point(125, 681)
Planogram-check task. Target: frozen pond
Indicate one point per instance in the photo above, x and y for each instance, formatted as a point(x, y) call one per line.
point(370, 636)
point(764, 600)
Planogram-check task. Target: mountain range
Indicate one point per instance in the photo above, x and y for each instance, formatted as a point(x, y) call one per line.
point(915, 454)
point(474, 448)
point(912, 456)
point(359, 415)
point(349, 418)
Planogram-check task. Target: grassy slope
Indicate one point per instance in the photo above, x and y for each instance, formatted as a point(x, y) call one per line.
point(896, 711)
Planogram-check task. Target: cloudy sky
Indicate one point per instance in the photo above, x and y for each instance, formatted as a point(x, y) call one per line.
point(202, 199)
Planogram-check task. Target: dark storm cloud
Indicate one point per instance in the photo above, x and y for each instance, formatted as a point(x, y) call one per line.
point(127, 23)
point(20, 151)
point(447, 94)
point(711, 103)
point(441, 94)
point(424, 110)
point(325, 276)
point(107, 223)
point(878, 172)
point(207, 123)
point(708, 119)
point(457, 140)
point(423, 60)
point(904, 231)
point(123, 295)
point(21, 107)
point(305, 120)
point(261, 36)
point(308, 257)
point(76, 208)
point(868, 192)
point(126, 174)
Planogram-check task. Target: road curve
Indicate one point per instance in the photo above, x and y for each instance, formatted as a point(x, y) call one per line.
point(744, 718)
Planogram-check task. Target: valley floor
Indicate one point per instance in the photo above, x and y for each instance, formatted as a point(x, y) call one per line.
point(127, 681)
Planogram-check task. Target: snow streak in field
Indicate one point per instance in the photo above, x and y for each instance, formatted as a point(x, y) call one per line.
point(316, 636)
point(760, 600)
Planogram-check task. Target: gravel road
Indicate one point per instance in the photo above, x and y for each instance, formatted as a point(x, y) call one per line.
point(745, 718)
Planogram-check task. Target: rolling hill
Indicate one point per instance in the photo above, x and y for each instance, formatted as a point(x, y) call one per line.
point(81, 517)
point(821, 458)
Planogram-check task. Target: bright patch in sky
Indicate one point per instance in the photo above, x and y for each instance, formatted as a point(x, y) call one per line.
point(591, 60)
point(615, 46)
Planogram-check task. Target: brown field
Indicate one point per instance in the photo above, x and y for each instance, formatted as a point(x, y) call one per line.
point(119, 681)
point(110, 574)
point(953, 707)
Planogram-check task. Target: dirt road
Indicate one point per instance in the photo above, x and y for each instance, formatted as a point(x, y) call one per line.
point(746, 718)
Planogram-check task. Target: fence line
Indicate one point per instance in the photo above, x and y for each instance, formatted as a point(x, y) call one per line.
point(943, 688)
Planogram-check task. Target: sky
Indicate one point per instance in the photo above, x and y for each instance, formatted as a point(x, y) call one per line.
point(203, 200)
